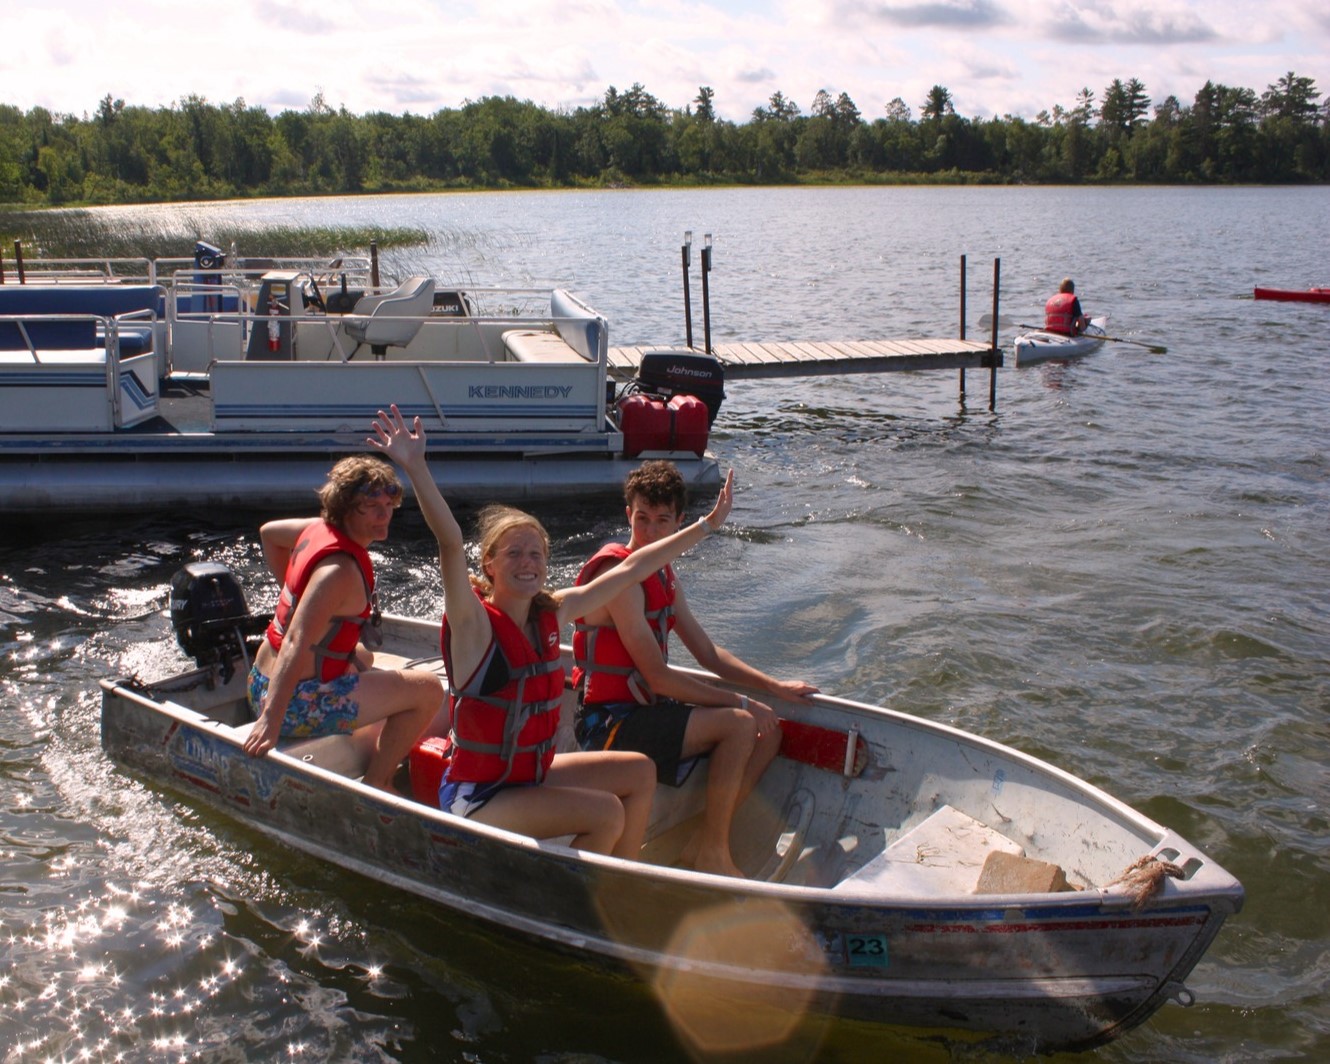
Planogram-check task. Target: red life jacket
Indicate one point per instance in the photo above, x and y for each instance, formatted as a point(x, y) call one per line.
point(603, 670)
point(1060, 314)
point(332, 653)
point(507, 713)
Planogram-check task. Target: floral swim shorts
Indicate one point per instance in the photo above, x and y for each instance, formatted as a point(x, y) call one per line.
point(316, 708)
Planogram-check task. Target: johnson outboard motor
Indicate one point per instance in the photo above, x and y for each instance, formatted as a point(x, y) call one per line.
point(670, 405)
point(211, 621)
point(671, 373)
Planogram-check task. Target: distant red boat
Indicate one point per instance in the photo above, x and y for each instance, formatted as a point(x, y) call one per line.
point(1290, 295)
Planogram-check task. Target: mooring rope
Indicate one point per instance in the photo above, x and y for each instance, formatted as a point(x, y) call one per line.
point(1144, 878)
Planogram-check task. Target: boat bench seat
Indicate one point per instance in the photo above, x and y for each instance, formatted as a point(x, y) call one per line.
point(65, 317)
point(536, 345)
point(342, 754)
point(943, 854)
point(93, 356)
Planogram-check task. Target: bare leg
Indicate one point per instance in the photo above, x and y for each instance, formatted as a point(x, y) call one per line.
point(628, 776)
point(406, 701)
point(731, 736)
point(768, 746)
point(594, 818)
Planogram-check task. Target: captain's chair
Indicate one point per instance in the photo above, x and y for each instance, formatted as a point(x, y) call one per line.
point(392, 318)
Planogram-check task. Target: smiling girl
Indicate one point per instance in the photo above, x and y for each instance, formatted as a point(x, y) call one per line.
point(501, 648)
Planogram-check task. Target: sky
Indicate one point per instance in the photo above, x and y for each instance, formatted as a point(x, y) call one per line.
point(995, 57)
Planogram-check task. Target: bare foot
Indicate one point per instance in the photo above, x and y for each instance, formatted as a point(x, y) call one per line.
point(717, 864)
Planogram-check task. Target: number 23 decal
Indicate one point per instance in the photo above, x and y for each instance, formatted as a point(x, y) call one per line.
point(866, 951)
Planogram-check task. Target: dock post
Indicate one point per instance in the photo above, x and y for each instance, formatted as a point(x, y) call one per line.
point(992, 370)
point(962, 370)
point(706, 297)
point(687, 252)
point(374, 264)
point(18, 262)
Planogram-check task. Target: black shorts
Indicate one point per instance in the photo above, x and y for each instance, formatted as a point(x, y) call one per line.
point(656, 730)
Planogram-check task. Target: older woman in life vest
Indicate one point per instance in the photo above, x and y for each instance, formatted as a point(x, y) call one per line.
point(312, 674)
point(506, 679)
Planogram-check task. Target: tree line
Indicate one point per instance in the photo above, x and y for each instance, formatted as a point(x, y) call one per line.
point(201, 150)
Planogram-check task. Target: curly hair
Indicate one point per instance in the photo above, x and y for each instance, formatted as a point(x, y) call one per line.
point(354, 476)
point(657, 483)
point(495, 522)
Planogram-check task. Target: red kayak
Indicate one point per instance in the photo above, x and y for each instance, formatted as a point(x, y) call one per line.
point(1289, 295)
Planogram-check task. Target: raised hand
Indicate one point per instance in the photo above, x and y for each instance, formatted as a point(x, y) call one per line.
point(724, 503)
point(392, 438)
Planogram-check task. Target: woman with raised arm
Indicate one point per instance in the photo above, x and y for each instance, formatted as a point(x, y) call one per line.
point(501, 648)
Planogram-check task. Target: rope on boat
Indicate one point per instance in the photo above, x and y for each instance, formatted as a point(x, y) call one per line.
point(432, 664)
point(1144, 878)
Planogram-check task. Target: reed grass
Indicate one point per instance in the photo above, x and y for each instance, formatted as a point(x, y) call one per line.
point(89, 234)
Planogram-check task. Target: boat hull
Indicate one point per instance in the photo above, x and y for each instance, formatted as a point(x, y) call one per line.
point(1291, 295)
point(1035, 347)
point(1032, 972)
point(226, 473)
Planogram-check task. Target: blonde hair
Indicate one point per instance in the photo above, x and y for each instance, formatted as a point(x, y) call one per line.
point(495, 522)
point(360, 473)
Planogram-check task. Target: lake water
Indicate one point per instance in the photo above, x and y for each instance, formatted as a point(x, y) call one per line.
point(1122, 570)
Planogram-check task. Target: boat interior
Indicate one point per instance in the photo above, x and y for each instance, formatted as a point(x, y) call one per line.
point(861, 801)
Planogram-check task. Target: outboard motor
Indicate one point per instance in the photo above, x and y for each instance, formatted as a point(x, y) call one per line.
point(211, 621)
point(671, 403)
point(671, 373)
point(209, 259)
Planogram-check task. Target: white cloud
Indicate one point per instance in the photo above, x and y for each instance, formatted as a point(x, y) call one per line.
point(994, 56)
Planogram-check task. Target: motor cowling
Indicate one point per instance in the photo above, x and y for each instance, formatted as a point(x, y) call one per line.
point(211, 620)
point(672, 373)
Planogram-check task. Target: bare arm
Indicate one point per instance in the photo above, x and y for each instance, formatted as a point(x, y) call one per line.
point(628, 613)
point(467, 619)
point(278, 538)
point(335, 588)
point(579, 601)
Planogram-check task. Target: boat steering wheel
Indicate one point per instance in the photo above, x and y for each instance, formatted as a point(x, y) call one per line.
point(315, 296)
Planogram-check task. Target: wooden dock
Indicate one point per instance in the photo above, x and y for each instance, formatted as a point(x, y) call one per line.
point(813, 358)
point(796, 358)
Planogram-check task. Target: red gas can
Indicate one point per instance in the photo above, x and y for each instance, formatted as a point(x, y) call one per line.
point(691, 424)
point(429, 760)
point(649, 423)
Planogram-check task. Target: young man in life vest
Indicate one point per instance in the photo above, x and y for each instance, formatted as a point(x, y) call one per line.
point(312, 674)
point(631, 699)
point(1062, 313)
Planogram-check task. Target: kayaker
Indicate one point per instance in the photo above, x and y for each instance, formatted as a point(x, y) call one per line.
point(1063, 314)
point(312, 674)
point(501, 649)
point(631, 698)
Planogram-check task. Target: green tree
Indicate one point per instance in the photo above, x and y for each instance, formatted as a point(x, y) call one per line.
point(705, 111)
point(1293, 97)
point(937, 105)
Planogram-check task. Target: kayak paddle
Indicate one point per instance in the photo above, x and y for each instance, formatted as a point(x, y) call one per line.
point(1154, 349)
